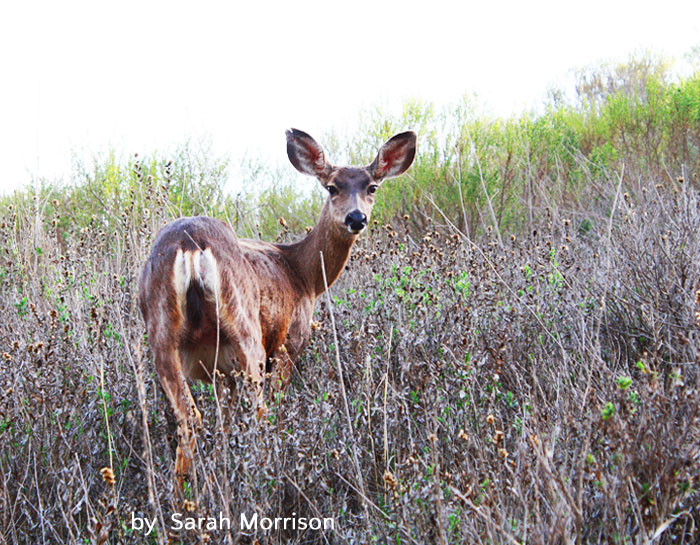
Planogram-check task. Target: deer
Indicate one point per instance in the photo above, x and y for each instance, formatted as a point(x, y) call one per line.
point(212, 302)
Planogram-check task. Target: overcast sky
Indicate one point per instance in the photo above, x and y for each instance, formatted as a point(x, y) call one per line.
point(85, 77)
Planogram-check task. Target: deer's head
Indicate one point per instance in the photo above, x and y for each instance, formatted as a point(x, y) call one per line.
point(351, 189)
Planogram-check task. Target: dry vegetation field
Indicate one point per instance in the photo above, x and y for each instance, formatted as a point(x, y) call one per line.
point(516, 337)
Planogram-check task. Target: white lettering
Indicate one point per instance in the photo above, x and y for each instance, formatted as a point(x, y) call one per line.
point(249, 525)
point(138, 523)
point(201, 523)
point(224, 520)
point(285, 523)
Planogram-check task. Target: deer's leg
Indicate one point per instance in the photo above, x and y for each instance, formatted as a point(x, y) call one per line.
point(237, 305)
point(243, 330)
point(188, 418)
point(282, 374)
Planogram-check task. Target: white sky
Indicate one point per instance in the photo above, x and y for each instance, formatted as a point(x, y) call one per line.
point(85, 77)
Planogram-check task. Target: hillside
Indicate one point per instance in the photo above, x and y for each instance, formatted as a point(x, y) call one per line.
point(518, 339)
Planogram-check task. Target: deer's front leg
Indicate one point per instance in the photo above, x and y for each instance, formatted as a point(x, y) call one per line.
point(282, 370)
point(242, 328)
point(297, 338)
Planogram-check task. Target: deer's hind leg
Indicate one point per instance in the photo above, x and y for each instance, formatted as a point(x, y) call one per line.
point(187, 416)
point(164, 330)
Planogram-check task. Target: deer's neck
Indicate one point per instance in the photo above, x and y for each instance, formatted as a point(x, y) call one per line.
point(305, 255)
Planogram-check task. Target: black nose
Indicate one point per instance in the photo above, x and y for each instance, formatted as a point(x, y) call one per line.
point(356, 220)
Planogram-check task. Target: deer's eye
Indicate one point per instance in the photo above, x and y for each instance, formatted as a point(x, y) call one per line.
point(332, 190)
point(371, 189)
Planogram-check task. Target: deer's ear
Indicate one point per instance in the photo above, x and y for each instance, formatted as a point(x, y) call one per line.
point(394, 157)
point(306, 155)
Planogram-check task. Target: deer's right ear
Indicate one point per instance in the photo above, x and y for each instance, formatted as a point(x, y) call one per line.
point(394, 157)
point(306, 155)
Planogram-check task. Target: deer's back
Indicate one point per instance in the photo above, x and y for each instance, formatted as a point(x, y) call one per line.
point(196, 261)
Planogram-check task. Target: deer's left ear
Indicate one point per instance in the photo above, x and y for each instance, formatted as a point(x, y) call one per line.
point(395, 156)
point(306, 155)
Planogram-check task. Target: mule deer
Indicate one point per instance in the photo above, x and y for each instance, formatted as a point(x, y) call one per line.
point(213, 302)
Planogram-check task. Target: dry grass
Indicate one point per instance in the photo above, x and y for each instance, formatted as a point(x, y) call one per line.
point(539, 390)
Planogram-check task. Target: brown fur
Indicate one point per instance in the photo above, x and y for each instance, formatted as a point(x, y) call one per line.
point(212, 302)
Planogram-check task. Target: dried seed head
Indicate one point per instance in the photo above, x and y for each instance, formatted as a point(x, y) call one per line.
point(390, 480)
point(108, 475)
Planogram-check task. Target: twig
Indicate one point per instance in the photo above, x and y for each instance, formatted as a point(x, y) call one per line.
point(483, 516)
point(458, 181)
point(145, 430)
point(386, 387)
point(483, 186)
point(498, 275)
point(342, 389)
point(109, 431)
point(377, 508)
point(313, 505)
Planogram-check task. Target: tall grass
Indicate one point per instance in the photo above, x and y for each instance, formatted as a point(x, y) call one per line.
point(518, 334)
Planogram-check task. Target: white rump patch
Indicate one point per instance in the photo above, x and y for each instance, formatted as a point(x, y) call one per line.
point(207, 273)
point(182, 275)
point(198, 266)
